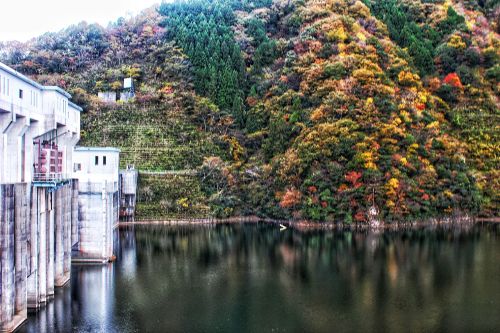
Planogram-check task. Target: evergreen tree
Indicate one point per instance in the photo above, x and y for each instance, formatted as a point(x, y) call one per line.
point(203, 29)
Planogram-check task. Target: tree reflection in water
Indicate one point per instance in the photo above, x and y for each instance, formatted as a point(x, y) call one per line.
point(254, 278)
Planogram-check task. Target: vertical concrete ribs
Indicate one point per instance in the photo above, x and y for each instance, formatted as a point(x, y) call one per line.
point(13, 249)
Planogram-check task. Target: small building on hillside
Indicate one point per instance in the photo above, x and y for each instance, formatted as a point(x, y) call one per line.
point(126, 94)
point(107, 96)
point(97, 171)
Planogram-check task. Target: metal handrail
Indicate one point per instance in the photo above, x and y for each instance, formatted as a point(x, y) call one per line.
point(50, 177)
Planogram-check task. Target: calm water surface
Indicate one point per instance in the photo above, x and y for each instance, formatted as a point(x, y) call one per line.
point(254, 278)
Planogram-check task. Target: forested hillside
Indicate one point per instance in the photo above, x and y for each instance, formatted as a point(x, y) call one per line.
point(293, 109)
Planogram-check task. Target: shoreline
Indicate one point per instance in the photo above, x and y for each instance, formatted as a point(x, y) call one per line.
point(304, 225)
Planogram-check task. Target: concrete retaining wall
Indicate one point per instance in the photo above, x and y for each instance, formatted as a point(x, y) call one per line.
point(107, 96)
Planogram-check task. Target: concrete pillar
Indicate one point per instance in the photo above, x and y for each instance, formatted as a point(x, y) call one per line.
point(59, 238)
point(13, 310)
point(110, 218)
point(21, 257)
point(68, 195)
point(39, 243)
point(33, 249)
point(7, 297)
point(110, 221)
point(42, 249)
point(50, 245)
point(63, 215)
point(74, 214)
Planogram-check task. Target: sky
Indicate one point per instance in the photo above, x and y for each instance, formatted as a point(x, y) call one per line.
point(23, 19)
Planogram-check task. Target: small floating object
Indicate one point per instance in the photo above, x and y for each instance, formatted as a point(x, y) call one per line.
point(282, 227)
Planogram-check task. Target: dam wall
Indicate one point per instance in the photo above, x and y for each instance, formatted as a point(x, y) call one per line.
point(56, 200)
point(44, 229)
point(35, 242)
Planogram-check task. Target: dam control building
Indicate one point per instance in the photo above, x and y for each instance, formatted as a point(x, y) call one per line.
point(46, 203)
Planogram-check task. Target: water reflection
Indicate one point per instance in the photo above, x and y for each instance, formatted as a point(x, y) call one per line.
point(254, 278)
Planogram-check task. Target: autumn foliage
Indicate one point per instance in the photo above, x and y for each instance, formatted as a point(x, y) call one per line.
point(290, 199)
point(453, 80)
point(316, 110)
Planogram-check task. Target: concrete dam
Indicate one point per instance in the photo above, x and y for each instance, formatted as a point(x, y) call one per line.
point(59, 203)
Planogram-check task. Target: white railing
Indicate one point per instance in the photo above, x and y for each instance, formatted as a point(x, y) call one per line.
point(50, 177)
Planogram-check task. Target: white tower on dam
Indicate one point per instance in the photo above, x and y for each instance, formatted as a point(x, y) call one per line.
point(39, 196)
point(97, 171)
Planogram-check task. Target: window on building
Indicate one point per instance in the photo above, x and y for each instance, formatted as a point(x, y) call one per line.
point(97, 160)
point(104, 160)
point(20, 93)
point(77, 167)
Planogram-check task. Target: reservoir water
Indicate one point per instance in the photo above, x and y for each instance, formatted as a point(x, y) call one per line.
point(256, 278)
